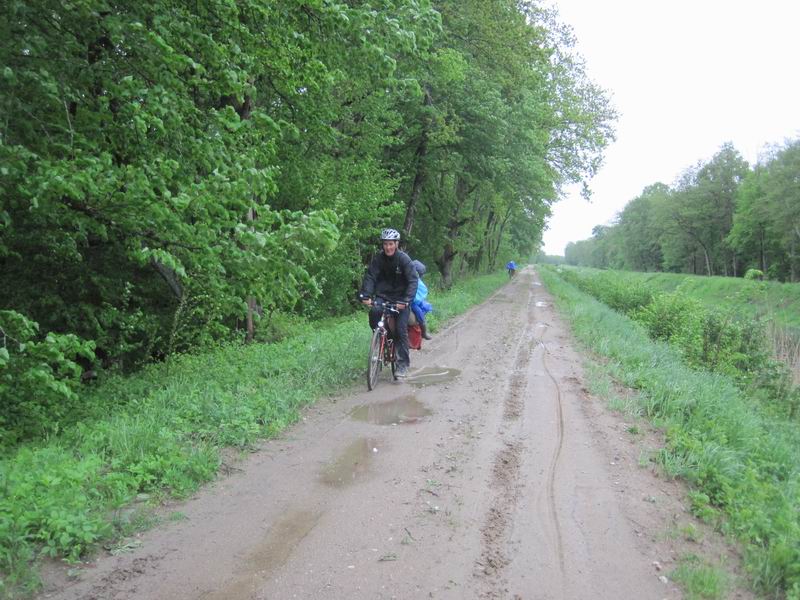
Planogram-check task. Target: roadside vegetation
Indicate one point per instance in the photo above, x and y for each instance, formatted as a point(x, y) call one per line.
point(715, 334)
point(771, 301)
point(730, 418)
point(158, 434)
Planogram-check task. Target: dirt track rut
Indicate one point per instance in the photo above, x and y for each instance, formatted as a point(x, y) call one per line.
point(489, 473)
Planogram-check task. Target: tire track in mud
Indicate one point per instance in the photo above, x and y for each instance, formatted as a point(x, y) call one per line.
point(506, 467)
point(553, 468)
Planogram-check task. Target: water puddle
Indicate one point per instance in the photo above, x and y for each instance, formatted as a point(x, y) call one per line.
point(396, 412)
point(270, 554)
point(352, 465)
point(432, 375)
point(537, 283)
point(541, 304)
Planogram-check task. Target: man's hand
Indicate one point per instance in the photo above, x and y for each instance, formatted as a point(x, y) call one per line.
point(401, 305)
point(367, 301)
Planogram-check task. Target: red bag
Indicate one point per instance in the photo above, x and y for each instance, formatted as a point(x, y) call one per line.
point(414, 337)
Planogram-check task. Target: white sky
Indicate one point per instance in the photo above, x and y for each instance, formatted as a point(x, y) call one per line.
point(686, 76)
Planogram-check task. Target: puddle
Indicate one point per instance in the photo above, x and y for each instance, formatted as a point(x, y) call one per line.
point(396, 412)
point(541, 304)
point(431, 375)
point(270, 554)
point(352, 465)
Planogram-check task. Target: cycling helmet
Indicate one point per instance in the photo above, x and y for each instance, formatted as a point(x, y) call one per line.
point(419, 267)
point(390, 234)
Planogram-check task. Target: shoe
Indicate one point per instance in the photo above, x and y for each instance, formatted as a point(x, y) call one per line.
point(402, 371)
point(426, 336)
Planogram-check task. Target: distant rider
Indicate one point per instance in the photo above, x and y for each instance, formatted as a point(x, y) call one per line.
point(391, 275)
point(512, 268)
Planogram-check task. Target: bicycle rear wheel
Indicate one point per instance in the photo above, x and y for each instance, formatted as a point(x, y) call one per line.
point(375, 358)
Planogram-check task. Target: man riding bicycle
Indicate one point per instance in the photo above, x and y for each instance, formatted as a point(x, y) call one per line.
point(392, 276)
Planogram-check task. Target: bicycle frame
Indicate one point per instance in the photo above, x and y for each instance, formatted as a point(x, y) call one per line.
point(382, 350)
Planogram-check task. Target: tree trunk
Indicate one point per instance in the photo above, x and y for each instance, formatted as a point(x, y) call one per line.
point(709, 272)
point(486, 241)
point(419, 177)
point(170, 276)
point(251, 326)
point(499, 237)
point(251, 301)
point(445, 264)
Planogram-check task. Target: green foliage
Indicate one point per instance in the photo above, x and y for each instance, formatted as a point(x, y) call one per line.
point(739, 455)
point(39, 378)
point(754, 275)
point(624, 296)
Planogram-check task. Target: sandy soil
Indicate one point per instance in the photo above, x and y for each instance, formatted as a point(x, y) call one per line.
point(490, 473)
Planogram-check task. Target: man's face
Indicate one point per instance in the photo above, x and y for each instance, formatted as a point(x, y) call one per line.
point(389, 247)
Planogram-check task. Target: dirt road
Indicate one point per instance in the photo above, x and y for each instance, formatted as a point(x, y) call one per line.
point(489, 473)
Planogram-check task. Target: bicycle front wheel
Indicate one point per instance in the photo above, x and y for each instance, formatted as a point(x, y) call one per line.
point(391, 358)
point(375, 358)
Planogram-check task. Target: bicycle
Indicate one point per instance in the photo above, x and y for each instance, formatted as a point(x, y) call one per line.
point(381, 348)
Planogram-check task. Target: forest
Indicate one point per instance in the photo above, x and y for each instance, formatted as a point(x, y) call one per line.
point(722, 217)
point(178, 175)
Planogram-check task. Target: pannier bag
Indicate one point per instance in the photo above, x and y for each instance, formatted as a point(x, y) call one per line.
point(414, 337)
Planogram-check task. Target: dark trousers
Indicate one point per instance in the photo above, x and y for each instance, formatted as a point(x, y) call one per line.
point(400, 333)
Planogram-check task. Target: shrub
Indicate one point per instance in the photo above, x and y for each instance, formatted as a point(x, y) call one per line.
point(38, 377)
point(754, 274)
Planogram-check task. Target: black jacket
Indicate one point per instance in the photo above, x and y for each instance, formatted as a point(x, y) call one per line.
point(392, 278)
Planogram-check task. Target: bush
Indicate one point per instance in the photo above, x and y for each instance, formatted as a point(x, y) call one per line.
point(754, 274)
point(38, 377)
point(670, 316)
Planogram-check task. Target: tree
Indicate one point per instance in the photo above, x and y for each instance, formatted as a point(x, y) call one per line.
point(700, 213)
point(641, 230)
point(782, 203)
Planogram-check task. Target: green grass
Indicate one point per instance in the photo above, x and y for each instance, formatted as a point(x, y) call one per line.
point(159, 433)
point(741, 462)
point(769, 299)
point(701, 580)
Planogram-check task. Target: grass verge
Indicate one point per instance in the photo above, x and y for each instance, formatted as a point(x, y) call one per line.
point(742, 464)
point(159, 433)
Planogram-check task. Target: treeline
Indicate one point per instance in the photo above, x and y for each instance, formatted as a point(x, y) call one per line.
point(720, 218)
point(172, 174)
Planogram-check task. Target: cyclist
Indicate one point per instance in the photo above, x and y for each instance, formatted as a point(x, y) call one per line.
point(512, 268)
point(391, 275)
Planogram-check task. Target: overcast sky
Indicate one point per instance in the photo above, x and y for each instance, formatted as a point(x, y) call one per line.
point(685, 76)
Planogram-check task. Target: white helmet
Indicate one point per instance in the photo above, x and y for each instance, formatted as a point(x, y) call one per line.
point(390, 234)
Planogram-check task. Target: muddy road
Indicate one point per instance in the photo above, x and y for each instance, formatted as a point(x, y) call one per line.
point(489, 473)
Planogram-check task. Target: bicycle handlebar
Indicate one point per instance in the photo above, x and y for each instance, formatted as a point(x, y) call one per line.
point(382, 304)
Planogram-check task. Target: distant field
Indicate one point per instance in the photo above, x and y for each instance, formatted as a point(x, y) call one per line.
point(780, 301)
